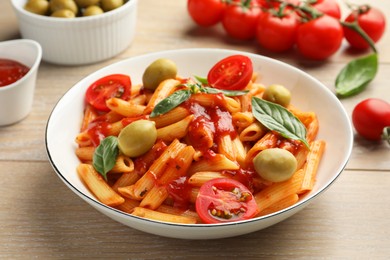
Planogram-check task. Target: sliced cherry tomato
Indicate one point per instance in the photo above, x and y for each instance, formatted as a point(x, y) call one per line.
point(240, 21)
point(370, 117)
point(206, 12)
point(115, 85)
point(225, 200)
point(276, 33)
point(319, 38)
point(371, 20)
point(231, 73)
point(329, 7)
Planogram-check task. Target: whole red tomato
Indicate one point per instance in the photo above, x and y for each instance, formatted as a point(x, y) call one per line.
point(371, 20)
point(329, 7)
point(370, 117)
point(276, 33)
point(206, 12)
point(319, 38)
point(240, 21)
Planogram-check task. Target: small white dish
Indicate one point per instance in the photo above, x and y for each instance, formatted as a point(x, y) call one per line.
point(307, 93)
point(80, 40)
point(16, 99)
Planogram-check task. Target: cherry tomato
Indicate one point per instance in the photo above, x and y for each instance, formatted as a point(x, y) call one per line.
point(329, 7)
point(240, 21)
point(115, 85)
point(370, 117)
point(11, 71)
point(275, 3)
point(319, 38)
point(206, 12)
point(371, 20)
point(276, 33)
point(225, 200)
point(231, 73)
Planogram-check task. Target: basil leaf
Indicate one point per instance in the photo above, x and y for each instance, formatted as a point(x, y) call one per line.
point(279, 119)
point(355, 76)
point(105, 155)
point(172, 101)
point(202, 80)
point(229, 93)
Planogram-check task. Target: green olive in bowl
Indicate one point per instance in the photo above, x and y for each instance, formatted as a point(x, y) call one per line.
point(63, 13)
point(86, 3)
point(56, 5)
point(275, 164)
point(277, 94)
point(137, 138)
point(158, 71)
point(108, 5)
point(40, 7)
point(92, 10)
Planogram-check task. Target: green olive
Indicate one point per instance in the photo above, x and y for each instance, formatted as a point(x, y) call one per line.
point(275, 164)
point(63, 13)
point(86, 3)
point(137, 138)
point(157, 72)
point(37, 6)
point(56, 5)
point(92, 10)
point(277, 94)
point(108, 5)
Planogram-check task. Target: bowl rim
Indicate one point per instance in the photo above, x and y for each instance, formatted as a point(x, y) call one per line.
point(305, 201)
point(44, 18)
point(33, 68)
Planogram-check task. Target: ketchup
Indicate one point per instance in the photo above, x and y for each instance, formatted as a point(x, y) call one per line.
point(11, 71)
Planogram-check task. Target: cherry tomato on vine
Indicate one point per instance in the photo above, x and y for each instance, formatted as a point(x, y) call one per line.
point(276, 33)
point(115, 85)
point(319, 38)
point(225, 200)
point(231, 73)
point(371, 20)
point(239, 20)
point(275, 3)
point(329, 7)
point(206, 12)
point(370, 117)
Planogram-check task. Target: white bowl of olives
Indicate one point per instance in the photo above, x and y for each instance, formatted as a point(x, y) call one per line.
point(307, 94)
point(76, 32)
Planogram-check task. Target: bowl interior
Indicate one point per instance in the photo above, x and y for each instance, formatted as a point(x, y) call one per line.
point(307, 94)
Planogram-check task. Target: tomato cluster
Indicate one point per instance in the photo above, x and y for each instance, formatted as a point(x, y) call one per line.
point(313, 26)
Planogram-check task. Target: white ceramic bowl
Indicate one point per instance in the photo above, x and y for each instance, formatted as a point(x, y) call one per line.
point(16, 99)
point(80, 40)
point(308, 94)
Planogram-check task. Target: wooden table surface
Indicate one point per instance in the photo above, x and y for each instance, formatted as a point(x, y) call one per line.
point(41, 218)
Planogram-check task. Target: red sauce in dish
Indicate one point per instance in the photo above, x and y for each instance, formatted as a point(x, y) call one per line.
point(11, 71)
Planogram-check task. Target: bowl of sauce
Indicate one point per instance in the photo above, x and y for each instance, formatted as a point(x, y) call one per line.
point(19, 63)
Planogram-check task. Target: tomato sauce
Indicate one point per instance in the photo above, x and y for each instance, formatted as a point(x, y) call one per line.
point(97, 131)
point(209, 124)
point(11, 71)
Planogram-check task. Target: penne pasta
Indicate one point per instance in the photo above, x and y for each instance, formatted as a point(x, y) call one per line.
point(310, 169)
point(125, 108)
point(278, 191)
point(177, 130)
point(163, 90)
point(156, 215)
point(98, 186)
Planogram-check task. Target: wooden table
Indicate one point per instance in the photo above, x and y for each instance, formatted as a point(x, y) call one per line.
point(41, 218)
